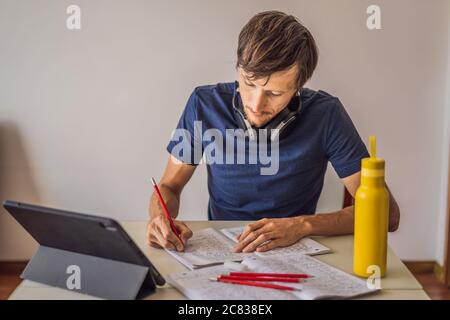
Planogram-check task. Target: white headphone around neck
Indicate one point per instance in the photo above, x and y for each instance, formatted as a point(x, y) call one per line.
point(274, 127)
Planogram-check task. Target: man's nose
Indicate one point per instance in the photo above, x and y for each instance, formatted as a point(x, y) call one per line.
point(257, 103)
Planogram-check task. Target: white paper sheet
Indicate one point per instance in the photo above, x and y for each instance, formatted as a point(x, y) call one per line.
point(327, 282)
point(304, 246)
point(207, 247)
point(197, 286)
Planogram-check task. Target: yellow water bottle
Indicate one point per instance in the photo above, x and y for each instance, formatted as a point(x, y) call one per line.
point(371, 218)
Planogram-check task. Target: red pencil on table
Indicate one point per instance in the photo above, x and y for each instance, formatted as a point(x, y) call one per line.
point(166, 212)
point(263, 279)
point(278, 275)
point(255, 284)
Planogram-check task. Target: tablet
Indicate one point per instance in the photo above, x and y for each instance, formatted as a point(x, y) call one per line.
point(81, 233)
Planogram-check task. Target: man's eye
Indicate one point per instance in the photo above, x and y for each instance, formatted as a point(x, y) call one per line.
point(274, 94)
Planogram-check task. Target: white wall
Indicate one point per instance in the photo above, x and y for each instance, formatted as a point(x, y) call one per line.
point(444, 201)
point(85, 115)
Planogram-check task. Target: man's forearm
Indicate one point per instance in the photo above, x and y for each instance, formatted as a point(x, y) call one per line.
point(330, 224)
point(342, 221)
point(171, 198)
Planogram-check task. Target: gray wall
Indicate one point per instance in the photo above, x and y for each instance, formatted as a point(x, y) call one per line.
point(85, 115)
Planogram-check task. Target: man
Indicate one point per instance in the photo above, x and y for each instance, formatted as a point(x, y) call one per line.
point(276, 55)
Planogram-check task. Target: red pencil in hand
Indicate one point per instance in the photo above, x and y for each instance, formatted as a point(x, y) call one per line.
point(166, 212)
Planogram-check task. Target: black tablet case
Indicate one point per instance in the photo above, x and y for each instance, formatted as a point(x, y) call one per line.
point(110, 264)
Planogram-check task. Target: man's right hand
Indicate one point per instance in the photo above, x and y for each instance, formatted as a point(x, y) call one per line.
point(159, 233)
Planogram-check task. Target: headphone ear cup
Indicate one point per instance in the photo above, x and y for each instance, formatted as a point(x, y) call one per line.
point(283, 126)
point(275, 122)
point(286, 125)
point(283, 120)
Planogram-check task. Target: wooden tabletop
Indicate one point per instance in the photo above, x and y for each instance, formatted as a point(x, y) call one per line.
point(399, 283)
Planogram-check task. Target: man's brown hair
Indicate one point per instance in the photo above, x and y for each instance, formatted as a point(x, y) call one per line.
point(274, 41)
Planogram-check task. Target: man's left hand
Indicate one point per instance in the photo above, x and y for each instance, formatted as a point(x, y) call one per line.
point(266, 234)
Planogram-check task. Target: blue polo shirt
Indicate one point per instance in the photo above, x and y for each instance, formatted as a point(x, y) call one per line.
point(323, 132)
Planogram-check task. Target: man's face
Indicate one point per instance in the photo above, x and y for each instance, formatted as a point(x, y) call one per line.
point(263, 101)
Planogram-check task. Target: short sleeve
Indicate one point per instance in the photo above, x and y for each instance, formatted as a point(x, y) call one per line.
point(344, 147)
point(185, 143)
